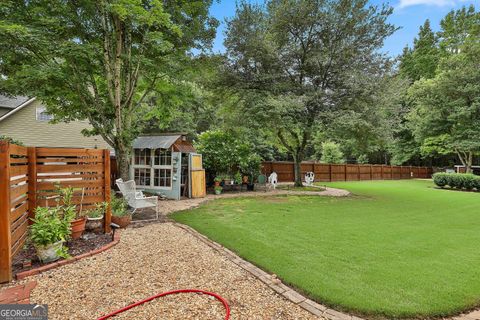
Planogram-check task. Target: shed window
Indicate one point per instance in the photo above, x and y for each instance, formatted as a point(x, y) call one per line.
point(163, 178)
point(163, 157)
point(153, 168)
point(142, 157)
point(142, 176)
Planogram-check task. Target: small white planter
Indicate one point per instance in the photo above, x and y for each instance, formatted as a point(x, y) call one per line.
point(49, 253)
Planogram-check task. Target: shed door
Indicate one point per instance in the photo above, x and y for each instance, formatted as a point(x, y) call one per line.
point(197, 176)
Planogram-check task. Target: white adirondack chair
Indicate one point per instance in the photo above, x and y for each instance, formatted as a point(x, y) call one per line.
point(136, 199)
point(273, 180)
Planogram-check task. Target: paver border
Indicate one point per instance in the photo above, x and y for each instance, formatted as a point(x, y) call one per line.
point(270, 280)
point(34, 271)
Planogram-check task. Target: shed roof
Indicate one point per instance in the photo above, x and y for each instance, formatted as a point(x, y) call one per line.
point(155, 142)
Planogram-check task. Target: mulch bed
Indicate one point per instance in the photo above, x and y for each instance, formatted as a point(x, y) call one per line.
point(89, 242)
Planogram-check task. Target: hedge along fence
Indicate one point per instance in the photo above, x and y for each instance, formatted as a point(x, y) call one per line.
point(29, 175)
point(345, 172)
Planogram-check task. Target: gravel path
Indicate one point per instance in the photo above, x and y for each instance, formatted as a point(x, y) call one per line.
point(154, 259)
point(168, 206)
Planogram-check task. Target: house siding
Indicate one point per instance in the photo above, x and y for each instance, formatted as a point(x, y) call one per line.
point(23, 126)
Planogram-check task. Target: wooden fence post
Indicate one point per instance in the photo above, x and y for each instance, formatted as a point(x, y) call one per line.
point(330, 172)
point(381, 172)
point(345, 170)
point(371, 174)
point(5, 232)
point(358, 172)
point(32, 182)
point(107, 190)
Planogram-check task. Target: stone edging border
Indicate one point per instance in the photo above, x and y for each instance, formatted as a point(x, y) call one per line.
point(274, 283)
point(31, 272)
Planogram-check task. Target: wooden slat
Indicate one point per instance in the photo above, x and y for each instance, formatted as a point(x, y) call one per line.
point(18, 232)
point(19, 160)
point(63, 152)
point(18, 191)
point(15, 224)
point(69, 168)
point(70, 160)
point(18, 150)
point(70, 176)
point(17, 246)
point(18, 201)
point(75, 200)
point(74, 184)
point(18, 180)
point(18, 170)
point(16, 213)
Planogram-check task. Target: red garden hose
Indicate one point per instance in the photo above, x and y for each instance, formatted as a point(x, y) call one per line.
point(136, 304)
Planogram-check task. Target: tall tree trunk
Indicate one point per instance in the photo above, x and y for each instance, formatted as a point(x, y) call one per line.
point(297, 164)
point(123, 162)
point(467, 159)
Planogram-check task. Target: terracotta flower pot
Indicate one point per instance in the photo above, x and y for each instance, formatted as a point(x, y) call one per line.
point(78, 227)
point(245, 179)
point(217, 183)
point(122, 221)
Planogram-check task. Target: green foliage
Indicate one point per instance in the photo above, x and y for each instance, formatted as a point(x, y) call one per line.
point(331, 153)
point(98, 211)
point(116, 64)
point(286, 62)
point(118, 205)
point(237, 178)
point(11, 140)
point(224, 153)
point(457, 180)
point(50, 225)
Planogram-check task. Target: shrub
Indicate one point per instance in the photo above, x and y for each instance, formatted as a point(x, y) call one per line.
point(49, 226)
point(440, 179)
point(457, 180)
point(331, 153)
point(118, 206)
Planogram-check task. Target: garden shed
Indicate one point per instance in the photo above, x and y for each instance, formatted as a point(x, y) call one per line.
point(168, 165)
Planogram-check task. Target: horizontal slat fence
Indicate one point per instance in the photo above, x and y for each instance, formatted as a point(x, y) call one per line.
point(346, 172)
point(29, 175)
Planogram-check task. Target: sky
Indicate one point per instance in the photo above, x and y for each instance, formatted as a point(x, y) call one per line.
point(408, 14)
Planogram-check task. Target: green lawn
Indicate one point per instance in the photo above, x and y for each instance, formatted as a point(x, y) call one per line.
point(395, 248)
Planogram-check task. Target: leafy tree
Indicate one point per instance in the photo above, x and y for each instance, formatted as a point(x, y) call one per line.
point(108, 61)
point(224, 153)
point(302, 59)
point(447, 117)
point(331, 153)
point(421, 61)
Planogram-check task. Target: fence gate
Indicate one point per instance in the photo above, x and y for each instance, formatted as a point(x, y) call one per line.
point(197, 174)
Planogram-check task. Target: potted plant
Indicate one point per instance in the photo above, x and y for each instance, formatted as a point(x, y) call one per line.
point(120, 214)
point(218, 189)
point(68, 208)
point(49, 231)
point(237, 178)
point(217, 181)
point(95, 216)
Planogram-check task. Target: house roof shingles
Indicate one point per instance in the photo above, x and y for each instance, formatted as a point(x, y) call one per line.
point(12, 102)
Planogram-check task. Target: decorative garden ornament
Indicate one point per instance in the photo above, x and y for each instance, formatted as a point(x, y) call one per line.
point(309, 178)
point(273, 179)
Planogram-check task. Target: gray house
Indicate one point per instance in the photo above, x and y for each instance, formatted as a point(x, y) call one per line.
point(25, 119)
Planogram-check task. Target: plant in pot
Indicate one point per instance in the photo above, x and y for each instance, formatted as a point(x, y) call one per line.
point(120, 214)
point(237, 178)
point(49, 231)
point(95, 216)
point(218, 189)
point(68, 208)
point(217, 181)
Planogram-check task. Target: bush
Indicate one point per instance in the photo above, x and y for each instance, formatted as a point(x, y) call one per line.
point(440, 179)
point(331, 153)
point(457, 180)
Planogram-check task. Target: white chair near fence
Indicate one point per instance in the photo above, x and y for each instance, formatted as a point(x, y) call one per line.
point(136, 199)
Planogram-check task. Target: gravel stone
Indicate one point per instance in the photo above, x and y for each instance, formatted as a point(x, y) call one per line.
point(154, 259)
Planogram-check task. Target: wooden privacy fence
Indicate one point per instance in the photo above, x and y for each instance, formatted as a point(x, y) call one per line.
point(29, 175)
point(346, 172)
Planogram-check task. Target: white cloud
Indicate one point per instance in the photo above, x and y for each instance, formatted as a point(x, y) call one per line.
point(438, 3)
